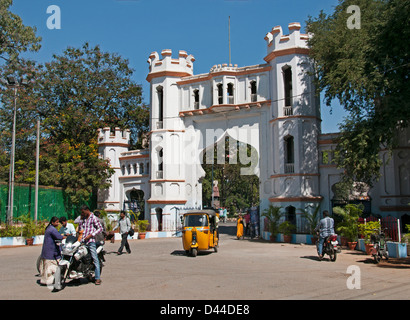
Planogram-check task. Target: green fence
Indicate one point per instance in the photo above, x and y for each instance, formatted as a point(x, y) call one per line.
point(51, 202)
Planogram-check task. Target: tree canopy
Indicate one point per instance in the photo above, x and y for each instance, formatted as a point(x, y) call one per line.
point(367, 70)
point(73, 95)
point(15, 37)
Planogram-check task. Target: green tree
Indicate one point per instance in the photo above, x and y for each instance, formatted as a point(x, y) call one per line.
point(367, 70)
point(237, 190)
point(15, 37)
point(73, 95)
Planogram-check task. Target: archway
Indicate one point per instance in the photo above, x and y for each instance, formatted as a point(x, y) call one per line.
point(136, 202)
point(158, 212)
point(227, 164)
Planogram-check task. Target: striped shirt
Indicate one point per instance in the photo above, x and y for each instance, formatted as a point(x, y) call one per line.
point(326, 227)
point(90, 225)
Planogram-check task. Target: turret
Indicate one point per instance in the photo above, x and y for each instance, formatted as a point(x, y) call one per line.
point(167, 66)
point(110, 146)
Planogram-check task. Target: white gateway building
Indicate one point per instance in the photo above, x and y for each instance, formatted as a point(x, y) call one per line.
point(270, 106)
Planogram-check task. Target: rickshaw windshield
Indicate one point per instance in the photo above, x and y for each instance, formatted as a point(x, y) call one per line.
point(196, 220)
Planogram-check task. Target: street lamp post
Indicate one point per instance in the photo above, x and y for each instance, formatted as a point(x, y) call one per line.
point(14, 84)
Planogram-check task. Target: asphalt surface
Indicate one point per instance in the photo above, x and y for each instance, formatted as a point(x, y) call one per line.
point(158, 269)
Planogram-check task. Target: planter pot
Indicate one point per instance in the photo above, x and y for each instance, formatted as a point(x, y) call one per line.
point(287, 238)
point(402, 248)
point(352, 245)
point(29, 241)
point(272, 238)
point(408, 249)
point(141, 235)
point(368, 247)
point(343, 241)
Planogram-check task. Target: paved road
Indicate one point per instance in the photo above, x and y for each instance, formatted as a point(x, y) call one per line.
point(158, 269)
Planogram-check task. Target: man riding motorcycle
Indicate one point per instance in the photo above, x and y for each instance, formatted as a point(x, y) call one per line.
point(325, 228)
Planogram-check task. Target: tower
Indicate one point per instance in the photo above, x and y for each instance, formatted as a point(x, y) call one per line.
point(295, 123)
point(110, 146)
point(169, 185)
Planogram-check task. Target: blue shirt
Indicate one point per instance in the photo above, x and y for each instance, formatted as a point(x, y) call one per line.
point(51, 250)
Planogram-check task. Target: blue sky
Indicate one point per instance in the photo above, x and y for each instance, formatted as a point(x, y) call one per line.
point(135, 28)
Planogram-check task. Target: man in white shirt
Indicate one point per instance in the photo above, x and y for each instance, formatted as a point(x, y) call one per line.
point(67, 229)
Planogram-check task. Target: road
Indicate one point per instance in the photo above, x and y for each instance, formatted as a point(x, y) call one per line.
point(158, 269)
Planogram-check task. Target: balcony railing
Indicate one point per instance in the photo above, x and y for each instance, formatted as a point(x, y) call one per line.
point(287, 111)
point(289, 167)
point(160, 175)
point(160, 125)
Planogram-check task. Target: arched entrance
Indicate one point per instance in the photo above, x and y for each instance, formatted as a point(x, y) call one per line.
point(135, 202)
point(158, 212)
point(224, 164)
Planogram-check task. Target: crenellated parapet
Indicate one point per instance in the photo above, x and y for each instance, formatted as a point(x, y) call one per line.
point(279, 44)
point(117, 137)
point(168, 66)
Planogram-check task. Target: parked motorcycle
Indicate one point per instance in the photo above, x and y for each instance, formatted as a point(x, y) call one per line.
point(379, 248)
point(76, 262)
point(330, 247)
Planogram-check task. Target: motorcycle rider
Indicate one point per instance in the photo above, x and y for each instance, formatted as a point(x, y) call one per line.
point(325, 228)
point(91, 226)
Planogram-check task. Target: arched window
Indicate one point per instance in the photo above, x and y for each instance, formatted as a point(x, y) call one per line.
point(160, 95)
point(287, 82)
point(289, 154)
point(160, 174)
point(230, 94)
point(290, 215)
point(141, 168)
point(196, 99)
point(220, 94)
point(254, 95)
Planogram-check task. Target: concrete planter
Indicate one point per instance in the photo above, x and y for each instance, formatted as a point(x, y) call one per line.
point(397, 250)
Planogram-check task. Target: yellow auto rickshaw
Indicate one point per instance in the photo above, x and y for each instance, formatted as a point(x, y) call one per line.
point(200, 231)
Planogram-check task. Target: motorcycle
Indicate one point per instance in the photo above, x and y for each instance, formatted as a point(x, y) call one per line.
point(380, 247)
point(76, 262)
point(330, 247)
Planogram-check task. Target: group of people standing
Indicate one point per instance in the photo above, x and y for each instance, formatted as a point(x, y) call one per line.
point(250, 222)
point(91, 230)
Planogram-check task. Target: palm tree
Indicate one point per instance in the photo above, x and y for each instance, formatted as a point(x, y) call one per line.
point(273, 215)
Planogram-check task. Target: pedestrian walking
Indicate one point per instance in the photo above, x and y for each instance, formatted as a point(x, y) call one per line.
point(125, 225)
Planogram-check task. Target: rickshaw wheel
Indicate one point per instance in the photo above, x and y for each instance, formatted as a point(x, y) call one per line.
point(194, 252)
point(216, 248)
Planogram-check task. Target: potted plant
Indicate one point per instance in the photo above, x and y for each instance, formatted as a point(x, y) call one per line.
point(272, 214)
point(142, 228)
point(312, 221)
point(287, 229)
point(28, 229)
point(348, 227)
point(367, 229)
point(406, 238)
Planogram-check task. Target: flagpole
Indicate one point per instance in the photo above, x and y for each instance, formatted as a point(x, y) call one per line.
point(229, 39)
